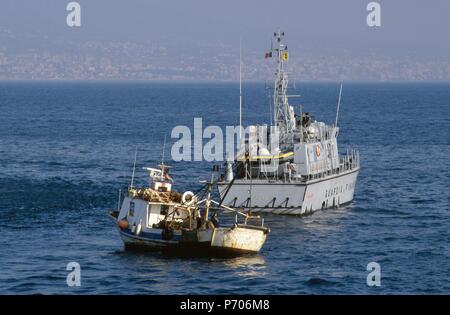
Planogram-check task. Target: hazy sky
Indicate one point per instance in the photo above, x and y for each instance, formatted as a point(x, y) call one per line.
point(415, 27)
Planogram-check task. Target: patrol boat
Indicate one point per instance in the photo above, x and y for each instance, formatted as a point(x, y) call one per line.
point(158, 218)
point(299, 169)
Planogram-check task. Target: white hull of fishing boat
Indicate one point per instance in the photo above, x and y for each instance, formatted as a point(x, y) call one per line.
point(239, 239)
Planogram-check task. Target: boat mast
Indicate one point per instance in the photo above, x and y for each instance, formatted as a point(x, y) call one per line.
point(301, 123)
point(164, 147)
point(208, 200)
point(338, 105)
point(240, 91)
point(134, 169)
point(162, 158)
point(281, 112)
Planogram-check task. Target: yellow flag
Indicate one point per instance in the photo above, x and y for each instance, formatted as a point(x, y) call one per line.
point(285, 56)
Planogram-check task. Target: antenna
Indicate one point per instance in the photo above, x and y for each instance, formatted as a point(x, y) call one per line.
point(301, 123)
point(338, 105)
point(270, 108)
point(134, 168)
point(240, 90)
point(162, 158)
point(164, 147)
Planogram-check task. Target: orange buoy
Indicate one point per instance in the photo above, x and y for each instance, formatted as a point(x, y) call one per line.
point(317, 150)
point(123, 224)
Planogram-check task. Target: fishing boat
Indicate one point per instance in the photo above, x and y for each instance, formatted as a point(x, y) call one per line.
point(299, 170)
point(157, 218)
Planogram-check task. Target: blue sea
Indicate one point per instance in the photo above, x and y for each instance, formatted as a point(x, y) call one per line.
point(67, 148)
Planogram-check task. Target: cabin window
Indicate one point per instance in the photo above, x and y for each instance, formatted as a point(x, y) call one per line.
point(164, 210)
point(131, 209)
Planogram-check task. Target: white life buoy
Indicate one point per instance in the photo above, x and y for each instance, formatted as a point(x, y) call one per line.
point(188, 198)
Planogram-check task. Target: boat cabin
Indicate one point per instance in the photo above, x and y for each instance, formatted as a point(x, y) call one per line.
point(149, 214)
point(146, 208)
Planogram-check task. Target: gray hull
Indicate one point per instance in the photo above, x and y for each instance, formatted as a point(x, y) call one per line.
point(294, 197)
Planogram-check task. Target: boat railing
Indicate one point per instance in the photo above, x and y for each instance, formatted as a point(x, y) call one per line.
point(262, 171)
point(151, 195)
point(220, 206)
point(349, 161)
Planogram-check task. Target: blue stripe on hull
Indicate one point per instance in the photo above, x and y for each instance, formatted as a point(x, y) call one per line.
point(149, 238)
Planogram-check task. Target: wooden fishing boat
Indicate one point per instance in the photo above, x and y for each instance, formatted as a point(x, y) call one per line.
point(158, 218)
